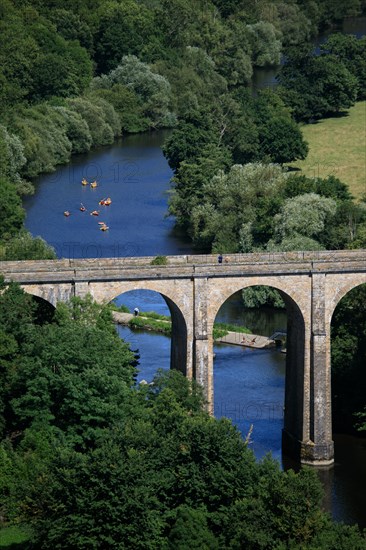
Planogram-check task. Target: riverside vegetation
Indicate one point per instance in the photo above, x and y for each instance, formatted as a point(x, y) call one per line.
point(76, 76)
point(150, 320)
point(85, 459)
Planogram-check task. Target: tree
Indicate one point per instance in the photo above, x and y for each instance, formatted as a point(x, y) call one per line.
point(316, 86)
point(152, 89)
point(25, 247)
point(232, 53)
point(258, 295)
point(190, 179)
point(243, 197)
point(100, 131)
point(293, 23)
point(192, 134)
point(305, 215)
point(12, 158)
point(71, 26)
point(266, 45)
point(42, 131)
point(76, 129)
point(123, 29)
point(191, 530)
point(351, 52)
point(102, 462)
point(64, 378)
point(11, 212)
point(281, 141)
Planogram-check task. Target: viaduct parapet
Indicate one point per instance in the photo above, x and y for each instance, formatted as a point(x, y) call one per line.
point(194, 288)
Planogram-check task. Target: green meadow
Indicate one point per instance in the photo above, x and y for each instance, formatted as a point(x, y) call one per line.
point(337, 146)
point(14, 537)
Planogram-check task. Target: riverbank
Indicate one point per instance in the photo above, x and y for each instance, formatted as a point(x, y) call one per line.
point(223, 332)
point(337, 148)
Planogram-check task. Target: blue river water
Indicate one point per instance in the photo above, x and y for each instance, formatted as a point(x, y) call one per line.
point(135, 175)
point(249, 384)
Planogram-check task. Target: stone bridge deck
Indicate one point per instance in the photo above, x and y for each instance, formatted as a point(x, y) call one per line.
point(187, 266)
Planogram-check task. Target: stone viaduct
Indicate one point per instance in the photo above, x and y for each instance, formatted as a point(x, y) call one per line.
point(195, 287)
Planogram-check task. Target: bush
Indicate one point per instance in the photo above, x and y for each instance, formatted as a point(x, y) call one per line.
point(159, 260)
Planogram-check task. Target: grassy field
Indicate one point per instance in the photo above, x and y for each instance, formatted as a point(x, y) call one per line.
point(337, 146)
point(14, 537)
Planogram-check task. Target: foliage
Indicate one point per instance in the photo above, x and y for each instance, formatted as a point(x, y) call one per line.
point(221, 329)
point(282, 141)
point(123, 29)
point(76, 129)
point(26, 247)
point(126, 103)
point(12, 158)
point(159, 260)
point(351, 52)
point(95, 117)
point(152, 90)
point(149, 323)
point(304, 215)
point(235, 200)
point(316, 86)
point(38, 63)
point(257, 296)
point(265, 43)
point(92, 460)
point(11, 212)
point(42, 132)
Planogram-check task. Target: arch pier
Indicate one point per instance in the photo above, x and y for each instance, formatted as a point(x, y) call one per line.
point(194, 287)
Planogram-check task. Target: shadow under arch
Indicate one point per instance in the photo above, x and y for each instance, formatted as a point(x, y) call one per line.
point(45, 309)
point(178, 346)
point(293, 431)
point(348, 373)
point(346, 483)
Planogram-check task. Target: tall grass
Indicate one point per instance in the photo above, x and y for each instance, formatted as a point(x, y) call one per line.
point(337, 147)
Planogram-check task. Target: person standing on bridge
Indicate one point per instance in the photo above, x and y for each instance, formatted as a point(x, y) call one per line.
point(219, 258)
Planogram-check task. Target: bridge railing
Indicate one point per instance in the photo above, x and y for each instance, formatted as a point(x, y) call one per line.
point(240, 258)
point(305, 257)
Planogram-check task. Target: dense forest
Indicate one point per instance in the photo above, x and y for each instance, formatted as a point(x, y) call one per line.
point(88, 458)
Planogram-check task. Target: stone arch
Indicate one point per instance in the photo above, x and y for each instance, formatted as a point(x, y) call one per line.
point(45, 308)
point(292, 288)
point(60, 292)
point(295, 291)
point(37, 293)
point(175, 295)
point(337, 288)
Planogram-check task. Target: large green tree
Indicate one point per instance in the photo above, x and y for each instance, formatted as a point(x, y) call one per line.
point(352, 53)
point(316, 86)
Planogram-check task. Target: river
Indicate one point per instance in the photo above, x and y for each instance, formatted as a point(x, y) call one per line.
point(135, 174)
point(249, 384)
